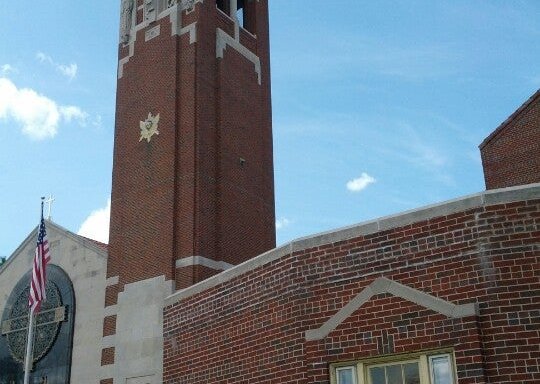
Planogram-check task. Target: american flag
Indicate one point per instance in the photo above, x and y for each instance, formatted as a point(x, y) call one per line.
point(41, 258)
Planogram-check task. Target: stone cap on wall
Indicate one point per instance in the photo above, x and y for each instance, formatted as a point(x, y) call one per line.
point(487, 198)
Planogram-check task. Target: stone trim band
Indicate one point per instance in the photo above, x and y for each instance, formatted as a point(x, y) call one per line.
point(384, 285)
point(203, 261)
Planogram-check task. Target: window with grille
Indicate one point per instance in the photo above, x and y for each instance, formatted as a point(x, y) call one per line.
point(437, 368)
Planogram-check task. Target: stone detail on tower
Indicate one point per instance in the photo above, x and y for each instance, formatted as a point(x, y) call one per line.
point(223, 40)
point(203, 261)
point(170, 8)
point(152, 32)
point(149, 127)
point(126, 20)
point(150, 10)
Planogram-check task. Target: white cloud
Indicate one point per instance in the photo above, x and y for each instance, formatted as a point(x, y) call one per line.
point(426, 154)
point(44, 58)
point(412, 146)
point(96, 225)
point(6, 69)
point(38, 116)
point(282, 223)
point(97, 122)
point(70, 71)
point(70, 113)
point(360, 183)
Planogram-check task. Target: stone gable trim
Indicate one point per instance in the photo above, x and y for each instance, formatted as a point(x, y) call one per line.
point(482, 199)
point(384, 285)
point(32, 238)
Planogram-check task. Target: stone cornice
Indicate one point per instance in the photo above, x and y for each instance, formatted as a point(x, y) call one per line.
point(492, 197)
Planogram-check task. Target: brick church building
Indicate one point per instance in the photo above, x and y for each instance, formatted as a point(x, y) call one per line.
point(191, 287)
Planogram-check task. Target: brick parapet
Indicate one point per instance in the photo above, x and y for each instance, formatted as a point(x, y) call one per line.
point(250, 321)
point(510, 153)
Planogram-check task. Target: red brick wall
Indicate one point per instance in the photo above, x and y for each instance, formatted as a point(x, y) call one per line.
point(184, 193)
point(510, 155)
point(185, 276)
point(246, 218)
point(143, 184)
point(251, 328)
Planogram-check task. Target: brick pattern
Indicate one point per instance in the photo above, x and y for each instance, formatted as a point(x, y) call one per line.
point(251, 328)
point(107, 356)
point(185, 193)
point(510, 157)
point(111, 295)
point(109, 325)
point(185, 276)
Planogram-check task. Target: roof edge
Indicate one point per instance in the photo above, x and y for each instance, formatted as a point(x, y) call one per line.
point(88, 243)
point(510, 118)
point(486, 198)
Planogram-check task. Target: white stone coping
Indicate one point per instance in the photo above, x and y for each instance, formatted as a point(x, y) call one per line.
point(32, 238)
point(108, 341)
point(203, 261)
point(384, 285)
point(492, 197)
point(112, 281)
point(111, 310)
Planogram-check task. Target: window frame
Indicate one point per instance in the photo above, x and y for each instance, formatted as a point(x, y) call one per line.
point(354, 369)
point(451, 362)
point(361, 367)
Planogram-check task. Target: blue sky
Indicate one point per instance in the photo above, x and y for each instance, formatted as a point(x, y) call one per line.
point(378, 107)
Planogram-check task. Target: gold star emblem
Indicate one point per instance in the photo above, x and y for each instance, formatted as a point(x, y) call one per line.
point(149, 127)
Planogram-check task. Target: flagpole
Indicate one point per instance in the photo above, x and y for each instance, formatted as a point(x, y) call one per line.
point(32, 316)
point(28, 359)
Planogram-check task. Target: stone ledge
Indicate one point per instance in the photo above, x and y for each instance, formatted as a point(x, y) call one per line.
point(203, 261)
point(498, 196)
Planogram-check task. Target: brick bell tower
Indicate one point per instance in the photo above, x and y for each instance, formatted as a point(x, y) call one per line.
point(192, 186)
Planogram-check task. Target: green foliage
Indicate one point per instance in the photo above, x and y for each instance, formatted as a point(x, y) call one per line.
point(2, 260)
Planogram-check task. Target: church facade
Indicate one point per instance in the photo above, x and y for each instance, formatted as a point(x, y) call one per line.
point(69, 327)
point(191, 289)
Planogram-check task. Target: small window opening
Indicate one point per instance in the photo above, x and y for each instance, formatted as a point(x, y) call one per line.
point(240, 13)
point(223, 5)
point(245, 12)
point(246, 15)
